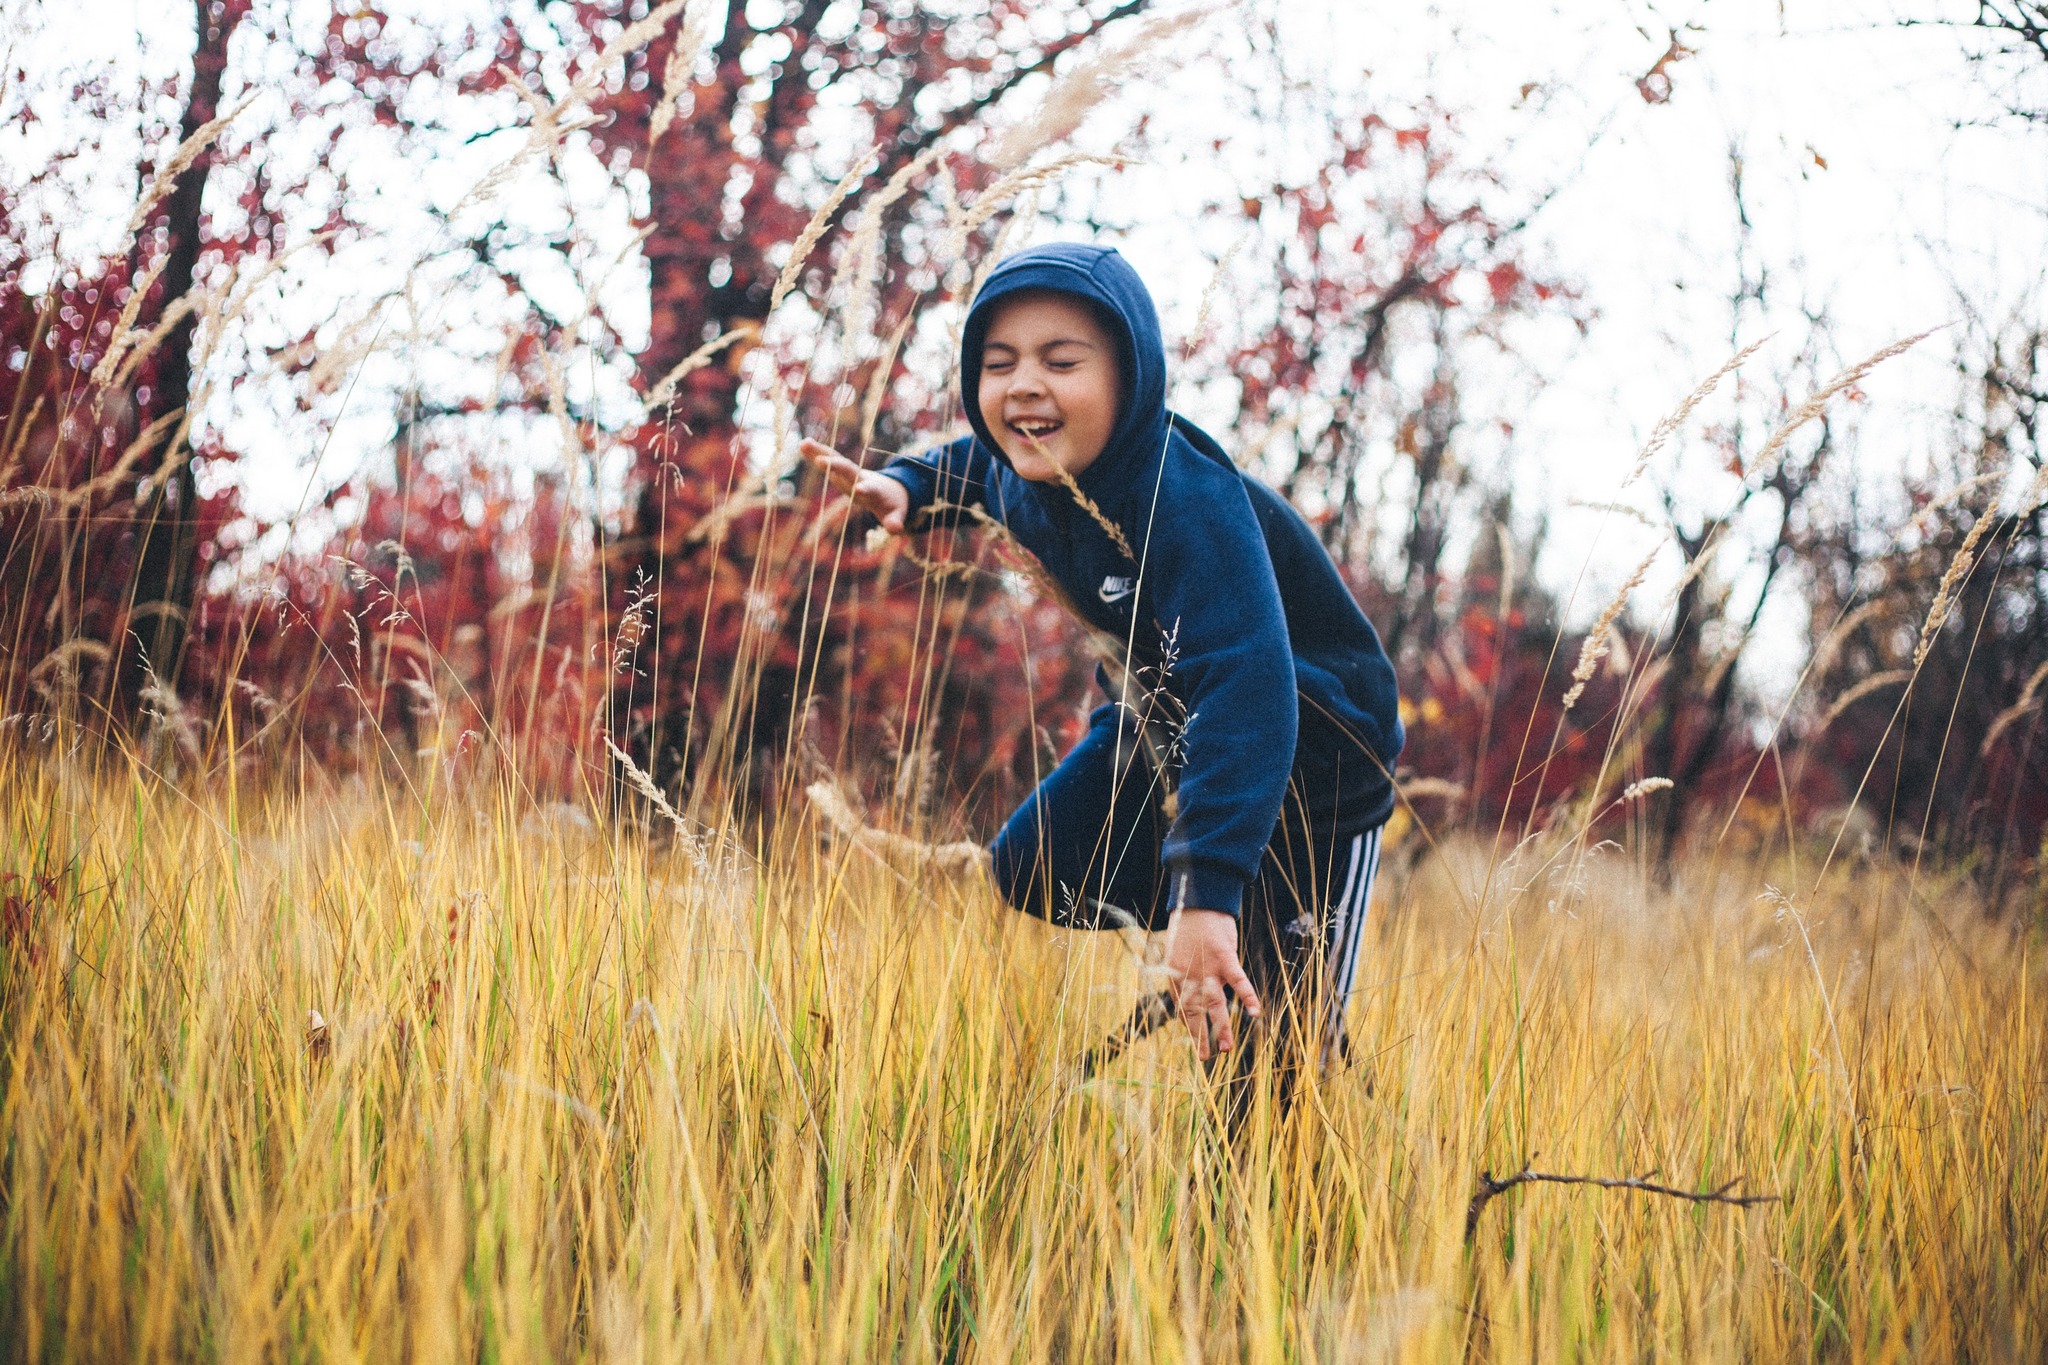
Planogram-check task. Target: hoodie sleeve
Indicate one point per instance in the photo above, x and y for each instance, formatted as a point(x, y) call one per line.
point(946, 477)
point(1214, 592)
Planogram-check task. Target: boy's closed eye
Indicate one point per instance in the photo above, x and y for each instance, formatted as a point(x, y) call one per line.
point(991, 362)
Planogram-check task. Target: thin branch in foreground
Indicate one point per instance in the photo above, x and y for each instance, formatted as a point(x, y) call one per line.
point(1490, 1189)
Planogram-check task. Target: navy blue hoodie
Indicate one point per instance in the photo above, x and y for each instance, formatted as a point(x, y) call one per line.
point(1278, 669)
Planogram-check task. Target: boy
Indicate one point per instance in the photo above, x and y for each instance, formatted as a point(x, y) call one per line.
point(1261, 861)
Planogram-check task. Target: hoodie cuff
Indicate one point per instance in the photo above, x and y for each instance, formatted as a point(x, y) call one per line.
point(1205, 886)
point(918, 480)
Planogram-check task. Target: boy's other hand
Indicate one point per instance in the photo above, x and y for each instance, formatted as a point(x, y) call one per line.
point(1201, 957)
point(880, 496)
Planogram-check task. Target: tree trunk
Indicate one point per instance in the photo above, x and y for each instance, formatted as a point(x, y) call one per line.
point(1682, 674)
point(708, 276)
point(162, 597)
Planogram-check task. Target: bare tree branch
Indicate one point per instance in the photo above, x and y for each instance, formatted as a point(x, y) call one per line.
point(2024, 20)
point(2022, 29)
point(910, 146)
point(1491, 1189)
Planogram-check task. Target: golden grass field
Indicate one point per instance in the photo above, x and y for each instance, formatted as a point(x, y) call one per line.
point(583, 1095)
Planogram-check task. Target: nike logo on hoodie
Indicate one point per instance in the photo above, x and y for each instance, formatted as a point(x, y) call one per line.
point(1115, 589)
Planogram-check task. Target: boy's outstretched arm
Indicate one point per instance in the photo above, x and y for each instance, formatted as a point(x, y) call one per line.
point(883, 498)
point(1201, 957)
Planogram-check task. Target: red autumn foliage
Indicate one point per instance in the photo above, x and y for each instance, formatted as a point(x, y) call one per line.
point(714, 616)
point(65, 470)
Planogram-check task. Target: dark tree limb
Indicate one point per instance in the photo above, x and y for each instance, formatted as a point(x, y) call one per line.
point(2025, 22)
point(1490, 1189)
point(914, 140)
point(2020, 33)
point(162, 590)
point(912, 143)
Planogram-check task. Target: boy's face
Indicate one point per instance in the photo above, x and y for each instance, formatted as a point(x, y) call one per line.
point(1048, 383)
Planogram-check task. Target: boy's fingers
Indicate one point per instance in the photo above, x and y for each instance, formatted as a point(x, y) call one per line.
point(884, 499)
point(841, 472)
point(1207, 1017)
point(1241, 987)
point(1219, 1030)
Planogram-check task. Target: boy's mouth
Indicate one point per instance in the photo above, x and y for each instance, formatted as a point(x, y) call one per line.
point(1035, 429)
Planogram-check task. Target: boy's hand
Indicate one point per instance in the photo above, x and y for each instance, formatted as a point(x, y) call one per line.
point(880, 496)
point(1201, 957)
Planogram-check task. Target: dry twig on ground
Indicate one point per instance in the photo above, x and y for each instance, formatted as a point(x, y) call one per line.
point(1489, 1189)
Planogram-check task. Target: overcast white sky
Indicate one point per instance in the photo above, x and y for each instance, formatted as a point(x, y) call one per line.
point(1881, 192)
point(1919, 201)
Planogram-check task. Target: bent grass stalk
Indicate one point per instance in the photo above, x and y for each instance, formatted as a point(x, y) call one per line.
point(1599, 641)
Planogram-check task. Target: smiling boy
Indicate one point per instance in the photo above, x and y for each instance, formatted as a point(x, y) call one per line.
point(1262, 862)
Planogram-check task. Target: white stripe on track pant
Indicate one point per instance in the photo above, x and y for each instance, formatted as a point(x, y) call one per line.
point(1346, 933)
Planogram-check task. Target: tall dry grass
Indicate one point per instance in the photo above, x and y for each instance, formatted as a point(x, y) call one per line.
point(430, 1072)
point(368, 1075)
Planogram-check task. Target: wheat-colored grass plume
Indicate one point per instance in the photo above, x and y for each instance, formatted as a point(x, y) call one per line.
point(703, 25)
point(1600, 640)
point(114, 476)
point(1944, 593)
point(1668, 425)
point(1765, 462)
point(637, 778)
point(2036, 495)
point(551, 121)
point(1087, 83)
point(1505, 546)
point(548, 124)
point(1199, 330)
point(1876, 682)
point(1620, 509)
point(665, 389)
point(959, 857)
point(1018, 225)
point(1830, 646)
point(2028, 701)
point(180, 160)
point(800, 252)
point(863, 264)
point(1429, 789)
point(1093, 509)
point(1925, 517)
point(124, 335)
point(878, 382)
point(965, 219)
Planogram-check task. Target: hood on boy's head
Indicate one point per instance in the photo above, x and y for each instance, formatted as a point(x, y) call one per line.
point(1104, 278)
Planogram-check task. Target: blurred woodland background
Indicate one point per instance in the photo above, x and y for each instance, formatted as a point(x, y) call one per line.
point(588, 522)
